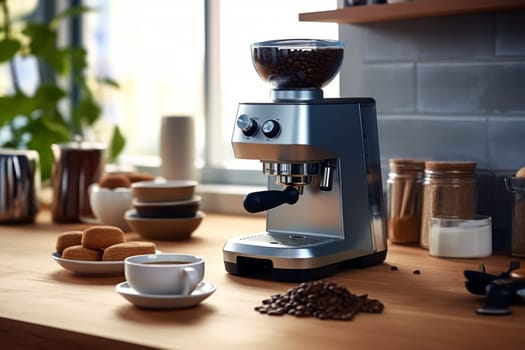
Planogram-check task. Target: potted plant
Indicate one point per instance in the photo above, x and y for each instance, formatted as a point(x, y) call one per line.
point(37, 119)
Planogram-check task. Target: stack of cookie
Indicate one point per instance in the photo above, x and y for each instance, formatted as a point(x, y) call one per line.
point(100, 243)
point(166, 210)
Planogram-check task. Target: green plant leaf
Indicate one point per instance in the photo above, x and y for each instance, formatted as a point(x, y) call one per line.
point(58, 60)
point(59, 129)
point(42, 39)
point(116, 145)
point(8, 49)
point(47, 96)
point(86, 112)
point(72, 11)
point(12, 106)
point(44, 133)
point(77, 58)
point(109, 82)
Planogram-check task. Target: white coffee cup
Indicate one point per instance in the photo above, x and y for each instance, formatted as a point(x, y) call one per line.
point(177, 147)
point(164, 273)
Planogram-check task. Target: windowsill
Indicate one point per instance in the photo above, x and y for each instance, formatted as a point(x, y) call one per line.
point(225, 199)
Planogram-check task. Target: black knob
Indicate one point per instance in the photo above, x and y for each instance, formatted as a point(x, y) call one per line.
point(248, 126)
point(271, 128)
point(264, 200)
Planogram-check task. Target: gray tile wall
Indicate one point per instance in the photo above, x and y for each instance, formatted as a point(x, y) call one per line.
point(447, 88)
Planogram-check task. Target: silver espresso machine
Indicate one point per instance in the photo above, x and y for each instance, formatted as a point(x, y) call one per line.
point(324, 200)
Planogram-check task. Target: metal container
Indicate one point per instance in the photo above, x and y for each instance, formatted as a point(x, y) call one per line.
point(19, 185)
point(517, 186)
point(76, 166)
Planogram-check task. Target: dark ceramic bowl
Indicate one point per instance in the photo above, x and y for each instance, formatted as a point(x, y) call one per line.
point(176, 209)
point(167, 229)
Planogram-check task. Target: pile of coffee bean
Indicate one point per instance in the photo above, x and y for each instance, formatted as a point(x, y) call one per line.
point(324, 300)
point(297, 68)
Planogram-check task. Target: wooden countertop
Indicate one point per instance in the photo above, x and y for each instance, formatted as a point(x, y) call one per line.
point(45, 306)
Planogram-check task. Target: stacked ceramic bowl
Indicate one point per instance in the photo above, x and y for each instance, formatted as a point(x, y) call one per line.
point(165, 210)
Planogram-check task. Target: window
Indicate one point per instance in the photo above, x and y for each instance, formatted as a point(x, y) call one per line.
point(191, 57)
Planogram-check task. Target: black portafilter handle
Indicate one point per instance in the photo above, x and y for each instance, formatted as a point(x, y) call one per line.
point(263, 200)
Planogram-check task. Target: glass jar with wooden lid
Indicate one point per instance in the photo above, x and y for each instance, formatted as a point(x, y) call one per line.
point(405, 196)
point(449, 190)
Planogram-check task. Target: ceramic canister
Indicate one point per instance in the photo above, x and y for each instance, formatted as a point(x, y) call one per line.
point(19, 185)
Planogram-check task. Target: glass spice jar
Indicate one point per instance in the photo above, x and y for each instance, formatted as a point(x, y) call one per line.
point(449, 191)
point(405, 195)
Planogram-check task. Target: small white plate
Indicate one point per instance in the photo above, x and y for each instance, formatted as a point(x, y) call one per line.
point(166, 301)
point(91, 268)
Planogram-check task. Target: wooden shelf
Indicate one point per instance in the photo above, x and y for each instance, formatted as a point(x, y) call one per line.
point(410, 10)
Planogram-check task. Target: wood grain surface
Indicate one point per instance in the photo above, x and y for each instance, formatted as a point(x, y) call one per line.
point(44, 306)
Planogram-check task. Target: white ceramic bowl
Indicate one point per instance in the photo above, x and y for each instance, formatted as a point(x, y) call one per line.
point(164, 191)
point(110, 206)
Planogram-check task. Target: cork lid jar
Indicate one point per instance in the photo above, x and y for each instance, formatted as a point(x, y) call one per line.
point(449, 191)
point(404, 191)
point(451, 170)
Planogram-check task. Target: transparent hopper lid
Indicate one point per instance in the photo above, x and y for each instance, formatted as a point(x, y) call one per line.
point(298, 63)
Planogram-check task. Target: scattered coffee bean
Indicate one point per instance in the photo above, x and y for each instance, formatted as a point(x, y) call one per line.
point(324, 300)
point(416, 272)
point(393, 268)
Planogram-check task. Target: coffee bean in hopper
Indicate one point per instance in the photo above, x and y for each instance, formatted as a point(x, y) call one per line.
point(321, 299)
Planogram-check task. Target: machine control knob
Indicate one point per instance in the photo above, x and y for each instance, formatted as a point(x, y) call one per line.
point(271, 128)
point(248, 126)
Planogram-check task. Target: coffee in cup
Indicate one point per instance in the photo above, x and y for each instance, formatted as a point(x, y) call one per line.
point(164, 273)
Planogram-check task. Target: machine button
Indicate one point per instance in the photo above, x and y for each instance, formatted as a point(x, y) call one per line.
point(271, 128)
point(248, 126)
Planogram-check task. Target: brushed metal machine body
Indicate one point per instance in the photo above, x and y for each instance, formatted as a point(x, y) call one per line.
point(324, 200)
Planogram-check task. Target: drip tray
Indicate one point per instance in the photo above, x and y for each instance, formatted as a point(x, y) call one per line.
point(284, 240)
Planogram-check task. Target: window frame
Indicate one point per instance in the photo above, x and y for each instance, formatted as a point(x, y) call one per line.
point(211, 174)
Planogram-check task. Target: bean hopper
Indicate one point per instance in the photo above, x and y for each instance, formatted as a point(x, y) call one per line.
point(324, 199)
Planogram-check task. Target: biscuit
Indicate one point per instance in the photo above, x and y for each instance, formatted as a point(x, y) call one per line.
point(68, 239)
point(136, 177)
point(121, 251)
point(112, 181)
point(100, 237)
point(78, 252)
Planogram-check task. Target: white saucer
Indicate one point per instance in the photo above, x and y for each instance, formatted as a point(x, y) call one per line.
point(166, 301)
point(91, 268)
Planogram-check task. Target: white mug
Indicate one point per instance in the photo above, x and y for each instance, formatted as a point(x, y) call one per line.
point(164, 273)
point(177, 147)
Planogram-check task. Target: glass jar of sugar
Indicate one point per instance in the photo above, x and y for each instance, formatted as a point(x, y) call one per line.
point(461, 238)
point(449, 190)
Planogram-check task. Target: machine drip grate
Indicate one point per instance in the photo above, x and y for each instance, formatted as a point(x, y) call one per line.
point(285, 240)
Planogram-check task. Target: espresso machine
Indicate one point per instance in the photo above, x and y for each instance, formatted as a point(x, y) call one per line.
point(324, 200)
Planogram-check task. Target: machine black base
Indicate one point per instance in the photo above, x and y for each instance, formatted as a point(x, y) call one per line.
point(263, 268)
